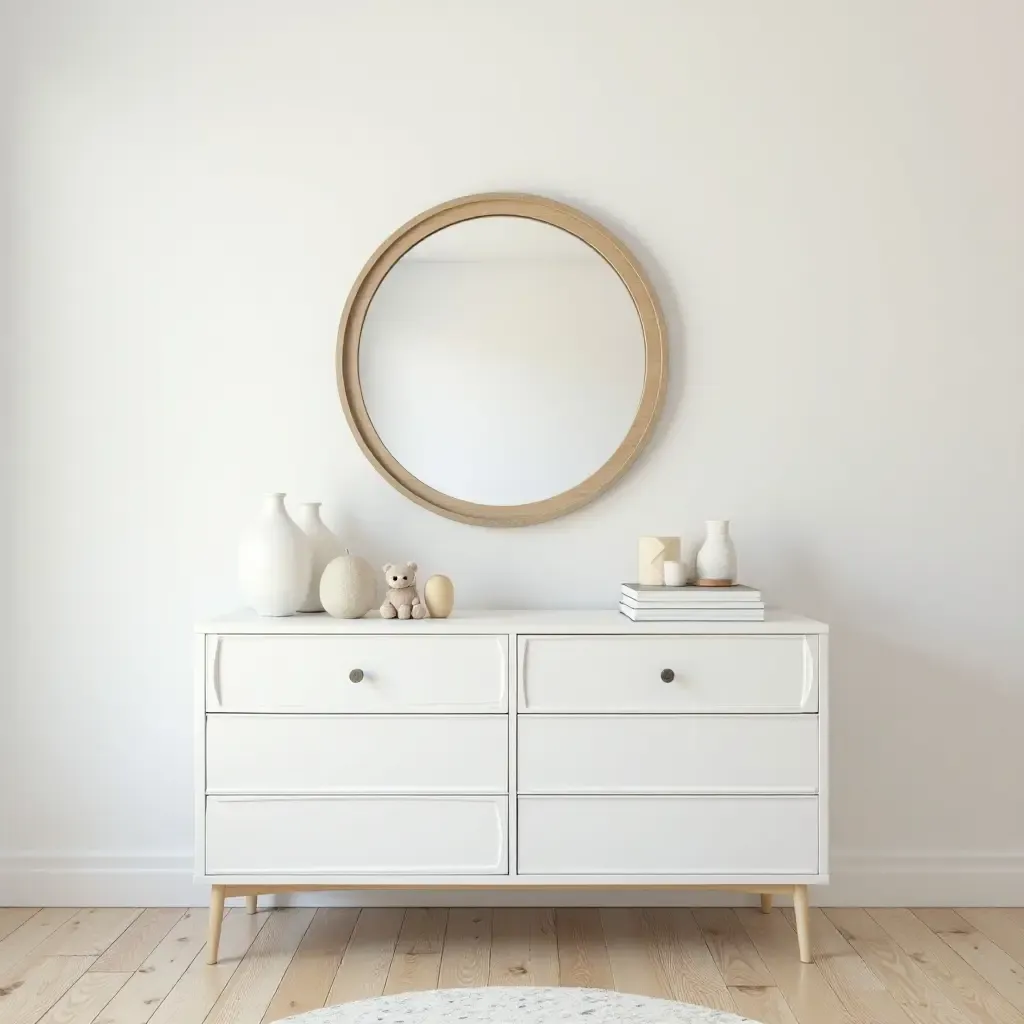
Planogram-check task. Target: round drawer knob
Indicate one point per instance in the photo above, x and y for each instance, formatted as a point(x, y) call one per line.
point(356, 675)
point(667, 675)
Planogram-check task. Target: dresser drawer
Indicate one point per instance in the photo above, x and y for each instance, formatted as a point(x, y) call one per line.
point(356, 835)
point(296, 673)
point(663, 835)
point(705, 673)
point(393, 753)
point(668, 754)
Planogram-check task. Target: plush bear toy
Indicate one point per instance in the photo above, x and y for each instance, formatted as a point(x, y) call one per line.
point(401, 601)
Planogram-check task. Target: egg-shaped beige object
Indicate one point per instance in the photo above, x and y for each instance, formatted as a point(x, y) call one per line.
point(348, 587)
point(439, 595)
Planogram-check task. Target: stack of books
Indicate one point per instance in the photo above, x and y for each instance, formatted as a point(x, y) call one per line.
point(644, 603)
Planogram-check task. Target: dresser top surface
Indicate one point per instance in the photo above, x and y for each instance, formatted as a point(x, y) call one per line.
point(776, 621)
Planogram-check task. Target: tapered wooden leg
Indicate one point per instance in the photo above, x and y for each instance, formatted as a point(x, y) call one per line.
point(766, 902)
point(216, 920)
point(251, 902)
point(803, 922)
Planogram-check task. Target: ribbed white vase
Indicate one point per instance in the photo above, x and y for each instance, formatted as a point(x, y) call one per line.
point(325, 548)
point(275, 561)
point(716, 560)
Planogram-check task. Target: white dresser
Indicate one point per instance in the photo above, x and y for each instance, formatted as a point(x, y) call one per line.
point(496, 749)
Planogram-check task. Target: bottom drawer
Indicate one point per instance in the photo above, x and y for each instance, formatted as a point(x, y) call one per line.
point(678, 835)
point(357, 835)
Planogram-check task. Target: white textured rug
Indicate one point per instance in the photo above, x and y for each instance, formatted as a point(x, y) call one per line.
point(516, 1006)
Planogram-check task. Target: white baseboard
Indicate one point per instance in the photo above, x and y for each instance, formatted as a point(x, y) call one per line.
point(858, 879)
point(965, 879)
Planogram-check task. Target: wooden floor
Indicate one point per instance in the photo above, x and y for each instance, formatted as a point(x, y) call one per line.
point(64, 966)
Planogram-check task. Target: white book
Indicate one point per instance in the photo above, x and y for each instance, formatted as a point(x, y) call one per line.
point(683, 603)
point(645, 593)
point(693, 614)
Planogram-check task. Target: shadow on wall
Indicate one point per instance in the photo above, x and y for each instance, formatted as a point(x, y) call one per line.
point(664, 286)
point(912, 735)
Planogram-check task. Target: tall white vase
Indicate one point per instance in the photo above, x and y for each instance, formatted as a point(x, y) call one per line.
point(325, 548)
point(275, 561)
point(716, 560)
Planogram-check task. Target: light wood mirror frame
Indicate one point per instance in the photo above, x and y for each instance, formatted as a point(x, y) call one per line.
point(547, 211)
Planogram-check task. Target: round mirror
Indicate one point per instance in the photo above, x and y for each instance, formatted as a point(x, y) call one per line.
point(501, 359)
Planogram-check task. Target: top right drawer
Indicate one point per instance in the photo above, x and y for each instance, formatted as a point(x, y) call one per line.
point(682, 674)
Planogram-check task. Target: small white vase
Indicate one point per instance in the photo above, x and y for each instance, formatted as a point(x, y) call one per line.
point(325, 547)
point(716, 560)
point(675, 574)
point(275, 561)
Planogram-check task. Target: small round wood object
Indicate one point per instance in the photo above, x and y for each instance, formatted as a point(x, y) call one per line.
point(714, 583)
point(439, 596)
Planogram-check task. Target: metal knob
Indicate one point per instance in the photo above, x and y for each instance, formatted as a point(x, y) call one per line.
point(356, 675)
point(667, 675)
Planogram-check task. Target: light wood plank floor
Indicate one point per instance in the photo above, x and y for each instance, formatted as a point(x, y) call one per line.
point(892, 966)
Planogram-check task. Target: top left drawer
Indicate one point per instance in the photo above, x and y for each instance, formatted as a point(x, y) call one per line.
point(356, 674)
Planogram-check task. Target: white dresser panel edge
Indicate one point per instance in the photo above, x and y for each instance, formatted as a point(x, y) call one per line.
point(668, 835)
point(340, 835)
point(681, 754)
point(692, 674)
point(335, 754)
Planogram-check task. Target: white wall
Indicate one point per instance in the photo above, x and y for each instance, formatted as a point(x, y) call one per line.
point(828, 198)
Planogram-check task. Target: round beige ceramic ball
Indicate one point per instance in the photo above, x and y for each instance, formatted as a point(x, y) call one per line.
point(439, 595)
point(348, 587)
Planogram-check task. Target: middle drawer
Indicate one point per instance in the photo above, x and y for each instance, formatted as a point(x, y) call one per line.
point(274, 754)
point(668, 754)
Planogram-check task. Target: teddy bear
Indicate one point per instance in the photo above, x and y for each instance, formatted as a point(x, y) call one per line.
point(401, 601)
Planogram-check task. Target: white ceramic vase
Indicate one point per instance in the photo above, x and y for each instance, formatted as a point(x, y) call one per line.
point(275, 561)
point(716, 560)
point(325, 547)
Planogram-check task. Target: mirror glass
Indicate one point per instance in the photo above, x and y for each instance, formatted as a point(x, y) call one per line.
point(501, 361)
